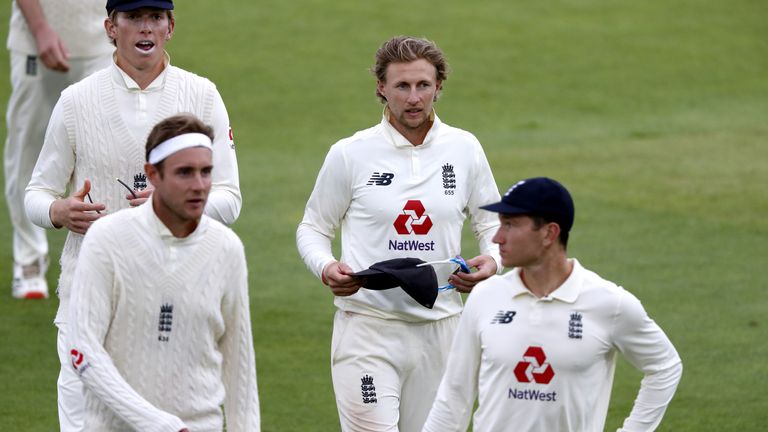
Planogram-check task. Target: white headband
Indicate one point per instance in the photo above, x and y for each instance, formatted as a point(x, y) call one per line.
point(177, 143)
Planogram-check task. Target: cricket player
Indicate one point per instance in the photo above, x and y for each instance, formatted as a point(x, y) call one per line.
point(95, 143)
point(52, 44)
point(161, 329)
point(537, 346)
point(402, 188)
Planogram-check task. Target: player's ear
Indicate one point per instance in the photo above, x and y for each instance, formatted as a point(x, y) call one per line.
point(171, 27)
point(109, 27)
point(552, 233)
point(380, 88)
point(153, 174)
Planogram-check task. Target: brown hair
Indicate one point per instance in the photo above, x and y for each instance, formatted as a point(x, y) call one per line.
point(173, 126)
point(405, 49)
point(540, 221)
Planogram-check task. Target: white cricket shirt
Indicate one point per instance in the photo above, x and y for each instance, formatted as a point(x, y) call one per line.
point(98, 131)
point(392, 199)
point(160, 327)
point(547, 364)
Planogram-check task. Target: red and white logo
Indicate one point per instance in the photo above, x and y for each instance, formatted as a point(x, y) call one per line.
point(413, 220)
point(231, 138)
point(534, 367)
point(77, 358)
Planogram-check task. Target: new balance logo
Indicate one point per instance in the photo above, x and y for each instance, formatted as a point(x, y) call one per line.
point(504, 317)
point(381, 179)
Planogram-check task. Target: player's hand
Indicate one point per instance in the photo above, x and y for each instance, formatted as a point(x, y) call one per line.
point(74, 213)
point(140, 196)
point(51, 49)
point(338, 276)
point(464, 282)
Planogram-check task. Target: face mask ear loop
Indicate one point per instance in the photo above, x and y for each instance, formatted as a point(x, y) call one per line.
point(463, 267)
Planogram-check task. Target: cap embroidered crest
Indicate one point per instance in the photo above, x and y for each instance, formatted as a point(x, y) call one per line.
point(539, 196)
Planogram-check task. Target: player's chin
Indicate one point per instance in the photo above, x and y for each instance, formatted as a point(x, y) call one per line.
point(195, 207)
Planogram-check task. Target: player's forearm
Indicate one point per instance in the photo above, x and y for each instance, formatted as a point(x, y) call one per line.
point(53, 170)
point(37, 204)
point(225, 200)
point(449, 413)
point(484, 232)
point(656, 392)
point(33, 15)
point(241, 400)
point(314, 248)
point(484, 223)
point(224, 204)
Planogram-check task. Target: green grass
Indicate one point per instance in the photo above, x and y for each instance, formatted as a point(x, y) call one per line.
point(653, 113)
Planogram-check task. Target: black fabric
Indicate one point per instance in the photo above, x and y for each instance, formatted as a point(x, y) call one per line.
point(538, 196)
point(418, 282)
point(129, 5)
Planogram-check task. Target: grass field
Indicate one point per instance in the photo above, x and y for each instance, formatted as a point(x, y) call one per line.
point(653, 113)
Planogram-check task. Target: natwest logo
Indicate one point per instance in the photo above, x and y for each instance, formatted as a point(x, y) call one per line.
point(534, 367)
point(413, 220)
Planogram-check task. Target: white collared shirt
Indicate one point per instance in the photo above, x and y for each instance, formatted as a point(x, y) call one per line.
point(138, 106)
point(547, 364)
point(364, 187)
point(177, 249)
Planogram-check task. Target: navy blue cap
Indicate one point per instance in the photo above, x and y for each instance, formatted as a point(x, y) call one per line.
point(538, 196)
point(129, 5)
point(418, 282)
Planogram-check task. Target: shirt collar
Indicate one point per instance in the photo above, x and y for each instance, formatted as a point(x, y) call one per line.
point(122, 79)
point(157, 227)
point(568, 292)
point(398, 140)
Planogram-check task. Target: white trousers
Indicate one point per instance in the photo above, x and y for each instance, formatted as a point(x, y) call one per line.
point(34, 91)
point(71, 399)
point(386, 372)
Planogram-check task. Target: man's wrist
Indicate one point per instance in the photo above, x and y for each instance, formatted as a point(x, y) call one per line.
point(51, 212)
point(322, 272)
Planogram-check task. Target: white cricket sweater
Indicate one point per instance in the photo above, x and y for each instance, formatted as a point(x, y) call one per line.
point(88, 137)
point(547, 364)
point(79, 23)
point(393, 199)
point(161, 330)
